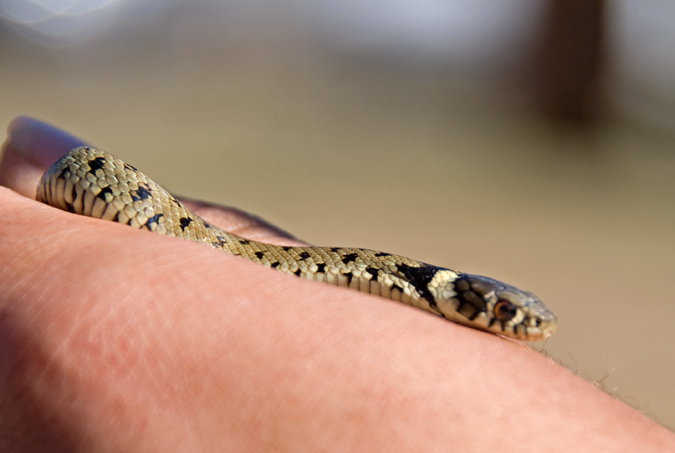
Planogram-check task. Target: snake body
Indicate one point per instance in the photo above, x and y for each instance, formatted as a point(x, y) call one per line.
point(91, 182)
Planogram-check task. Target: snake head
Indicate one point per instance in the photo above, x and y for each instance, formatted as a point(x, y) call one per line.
point(488, 304)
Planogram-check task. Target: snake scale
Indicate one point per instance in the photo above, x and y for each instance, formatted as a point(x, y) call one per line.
point(91, 182)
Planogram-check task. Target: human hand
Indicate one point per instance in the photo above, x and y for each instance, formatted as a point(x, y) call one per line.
point(117, 339)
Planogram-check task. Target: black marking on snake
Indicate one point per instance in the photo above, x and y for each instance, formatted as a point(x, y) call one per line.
point(141, 193)
point(461, 285)
point(298, 272)
point(207, 224)
point(304, 255)
point(349, 276)
point(321, 267)
point(259, 255)
point(350, 257)
point(185, 222)
point(65, 173)
point(244, 241)
point(372, 271)
point(395, 286)
point(335, 249)
point(96, 164)
point(275, 264)
point(420, 277)
point(70, 207)
point(103, 192)
point(379, 254)
point(116, 217)
point(221, 241)
point(468, 309)
point(471, 304)
point(73, 193)
point(128, 167)
point(154, 220)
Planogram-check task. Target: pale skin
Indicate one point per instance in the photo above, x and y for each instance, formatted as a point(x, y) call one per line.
point(113, 339)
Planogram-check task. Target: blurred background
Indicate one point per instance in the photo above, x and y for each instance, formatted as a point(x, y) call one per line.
point(528, 140)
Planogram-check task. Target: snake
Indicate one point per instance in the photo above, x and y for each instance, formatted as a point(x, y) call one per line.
point(91, 182)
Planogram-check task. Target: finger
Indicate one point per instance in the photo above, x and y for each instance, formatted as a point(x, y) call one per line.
point(30, 148)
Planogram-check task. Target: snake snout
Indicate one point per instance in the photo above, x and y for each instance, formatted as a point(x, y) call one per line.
point(511, 310)
point(545, 323)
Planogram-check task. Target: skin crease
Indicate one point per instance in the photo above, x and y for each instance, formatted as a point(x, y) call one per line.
point(113, 339)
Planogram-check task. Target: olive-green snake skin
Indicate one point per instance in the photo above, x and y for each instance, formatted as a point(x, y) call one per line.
point(94, 183)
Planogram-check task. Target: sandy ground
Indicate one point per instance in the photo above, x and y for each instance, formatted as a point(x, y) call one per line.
point(459, 175)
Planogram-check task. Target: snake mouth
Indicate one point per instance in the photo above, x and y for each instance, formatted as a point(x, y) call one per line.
point(538, 323)
point(543, 331)
point(530, 329)
point(537, 326)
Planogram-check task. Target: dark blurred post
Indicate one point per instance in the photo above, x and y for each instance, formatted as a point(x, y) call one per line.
point(568, 60)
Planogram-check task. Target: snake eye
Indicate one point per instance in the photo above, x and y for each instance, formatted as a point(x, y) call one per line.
point(504, 310)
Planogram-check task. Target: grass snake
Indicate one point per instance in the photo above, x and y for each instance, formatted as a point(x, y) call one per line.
point(91, 182)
